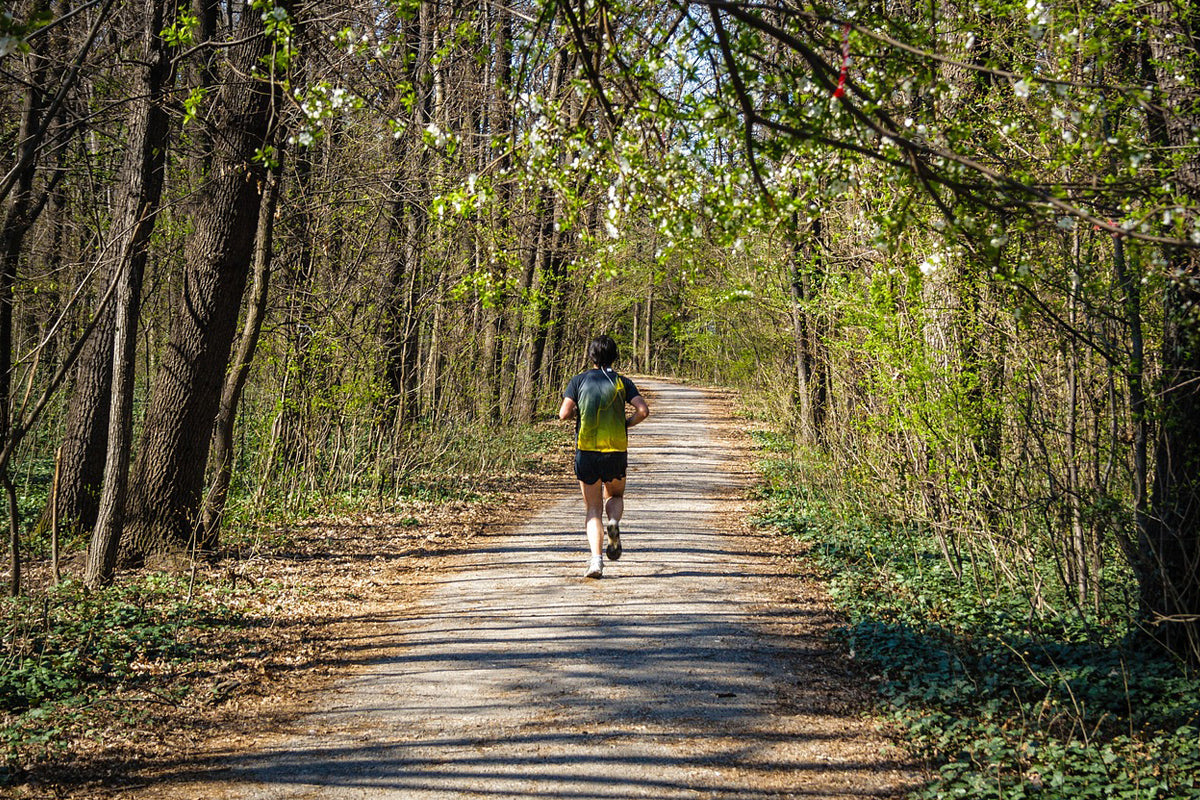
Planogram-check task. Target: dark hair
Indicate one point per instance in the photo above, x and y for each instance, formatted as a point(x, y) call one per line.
point(602, 351)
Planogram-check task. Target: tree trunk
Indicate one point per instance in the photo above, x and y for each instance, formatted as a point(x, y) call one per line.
point(221, 454)
point(83, 445)
point(14, 536)
point(549, 311)
point(501, 155)
point(806, 276)
point(18, 217)
point(84, 460)
point(409, 223)
point(1172, 535)
point(648, 330)
point(1171, 538)
point(1135, 377)
point(187, 389)
point(529, 315)
point(139, 182)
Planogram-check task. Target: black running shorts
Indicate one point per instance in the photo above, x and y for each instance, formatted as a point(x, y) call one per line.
point(591, 466)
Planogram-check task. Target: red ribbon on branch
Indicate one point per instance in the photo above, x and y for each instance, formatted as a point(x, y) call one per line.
point(841, 87)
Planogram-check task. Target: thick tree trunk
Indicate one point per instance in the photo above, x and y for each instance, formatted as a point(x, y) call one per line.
point(1135, 378)
point(18, 216)
point(170, 466)
point(139, 188)
point(1171, 537)
point(221, 455)
point(17, 219)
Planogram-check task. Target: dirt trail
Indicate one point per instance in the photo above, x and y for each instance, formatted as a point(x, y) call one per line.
point(671, 677)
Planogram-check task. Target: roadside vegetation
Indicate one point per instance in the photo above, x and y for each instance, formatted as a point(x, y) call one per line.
point(92, 681)
point(273, 261)
point(999, 697)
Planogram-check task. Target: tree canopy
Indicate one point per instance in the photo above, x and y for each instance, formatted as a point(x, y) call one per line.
point(958, 243)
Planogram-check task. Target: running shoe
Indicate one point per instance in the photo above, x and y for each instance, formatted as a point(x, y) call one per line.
point(595, 568)
point(612, 541)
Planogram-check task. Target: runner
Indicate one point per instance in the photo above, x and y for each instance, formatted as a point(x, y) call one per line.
point(597, 398)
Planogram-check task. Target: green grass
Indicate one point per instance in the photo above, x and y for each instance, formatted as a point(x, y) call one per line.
point(998, 700)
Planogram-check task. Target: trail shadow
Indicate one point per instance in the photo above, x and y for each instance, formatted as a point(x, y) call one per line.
point(649, 698)
point(516, 677)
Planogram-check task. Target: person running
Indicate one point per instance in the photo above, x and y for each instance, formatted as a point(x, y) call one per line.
point(596, 399)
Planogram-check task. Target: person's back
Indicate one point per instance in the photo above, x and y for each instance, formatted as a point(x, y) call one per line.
point(601, 395)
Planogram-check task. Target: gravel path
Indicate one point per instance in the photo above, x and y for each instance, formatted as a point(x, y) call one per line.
point(518, 678)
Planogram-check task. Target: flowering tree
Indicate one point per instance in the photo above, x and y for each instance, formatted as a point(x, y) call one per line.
point(1015, 177)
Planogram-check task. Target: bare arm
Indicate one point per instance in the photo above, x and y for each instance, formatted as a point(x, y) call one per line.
point(568, 409)
point(640, 411)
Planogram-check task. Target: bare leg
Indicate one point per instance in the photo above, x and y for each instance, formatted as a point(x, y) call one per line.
point(593, 499)
point(614, 495)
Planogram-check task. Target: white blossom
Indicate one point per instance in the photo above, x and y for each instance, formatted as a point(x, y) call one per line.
point(439, 136)
point(931, 264)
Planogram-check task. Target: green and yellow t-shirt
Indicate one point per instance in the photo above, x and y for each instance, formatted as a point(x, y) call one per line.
point(601, 395)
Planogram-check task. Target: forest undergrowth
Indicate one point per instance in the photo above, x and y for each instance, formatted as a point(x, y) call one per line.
point(92, 681)
point(998, 698)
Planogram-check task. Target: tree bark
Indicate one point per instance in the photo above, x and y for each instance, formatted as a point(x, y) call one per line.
point(80, 491)
point(221, 454)
point(140, 183)
point(548, 297)
point(648, 330)
point(1171, 538)
point(503, 131)
point(18, 217)
point(83, 445)
point(409, 224)
point(14, 535)
point(170, 466)
point(806, 277)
